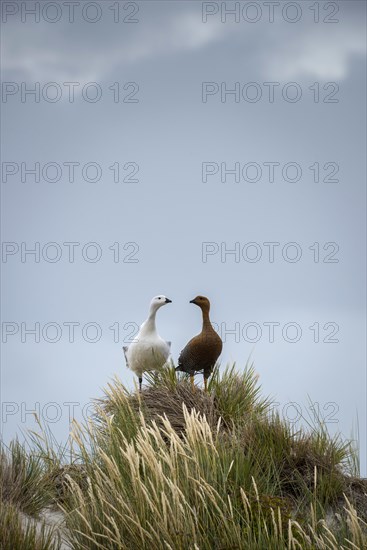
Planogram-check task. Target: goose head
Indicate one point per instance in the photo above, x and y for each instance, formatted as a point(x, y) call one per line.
point(159, 301)
point(202, 302)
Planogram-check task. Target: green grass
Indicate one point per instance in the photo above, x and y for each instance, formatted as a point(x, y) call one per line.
point(26, 489)
point(16, 534)
point(24, 480)
point(183, 469)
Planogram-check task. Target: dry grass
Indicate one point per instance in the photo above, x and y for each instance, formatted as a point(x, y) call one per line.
point(173, 468)
point(175, 490)
point(159, 401)
point(24, 480)
point(27, 488)
point(19, 533)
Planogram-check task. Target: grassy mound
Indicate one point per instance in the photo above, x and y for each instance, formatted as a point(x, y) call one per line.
point(173, 468)
point(26, 489)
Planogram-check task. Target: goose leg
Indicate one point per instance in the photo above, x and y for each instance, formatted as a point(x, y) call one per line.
point(192, 382)
point(140, 382)
point(206, 384)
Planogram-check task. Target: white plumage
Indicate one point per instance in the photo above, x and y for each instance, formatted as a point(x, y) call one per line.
point(148, 351)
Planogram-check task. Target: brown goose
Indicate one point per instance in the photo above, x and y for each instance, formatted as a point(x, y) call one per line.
point(202, 352)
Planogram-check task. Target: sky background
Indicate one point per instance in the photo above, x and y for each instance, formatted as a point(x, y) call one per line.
point(161, 221)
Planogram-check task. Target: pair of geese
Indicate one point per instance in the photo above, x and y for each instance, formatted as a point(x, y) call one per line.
point(150, 352)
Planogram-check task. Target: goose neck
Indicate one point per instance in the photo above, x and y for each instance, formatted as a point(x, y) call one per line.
point(150, 322)
point(206, 320)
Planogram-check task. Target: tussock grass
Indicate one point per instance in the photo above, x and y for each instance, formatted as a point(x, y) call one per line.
point(20, 533)
point(24, 480)
point(27, 488)
point(173, 468)
point(172, 490)
point(231, 396)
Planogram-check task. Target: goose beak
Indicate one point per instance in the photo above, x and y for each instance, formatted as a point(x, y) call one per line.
point(192, 301)
point(168, 301)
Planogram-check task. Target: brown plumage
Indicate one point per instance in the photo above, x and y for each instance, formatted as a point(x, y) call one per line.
point(202, 352)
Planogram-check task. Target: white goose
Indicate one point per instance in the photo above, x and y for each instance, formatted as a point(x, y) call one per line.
point(148, 351)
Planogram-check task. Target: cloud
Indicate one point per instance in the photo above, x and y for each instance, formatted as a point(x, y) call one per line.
point(25, 54)
point(315, 54)
point(277, 52)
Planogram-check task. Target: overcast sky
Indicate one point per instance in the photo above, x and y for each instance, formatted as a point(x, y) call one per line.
point(162, 136)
